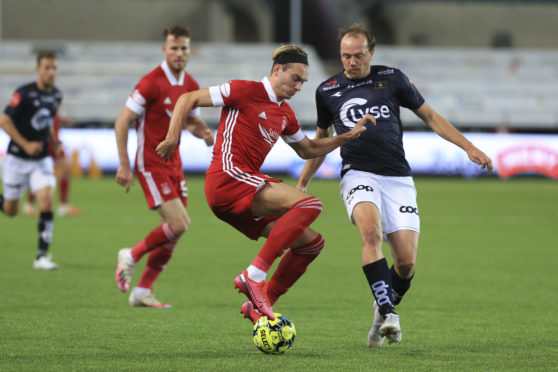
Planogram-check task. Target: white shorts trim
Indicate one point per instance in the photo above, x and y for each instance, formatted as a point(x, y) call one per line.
point(19, 174)
point(395, 198)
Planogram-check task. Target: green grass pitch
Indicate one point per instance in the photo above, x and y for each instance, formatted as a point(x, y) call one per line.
point(484, 296)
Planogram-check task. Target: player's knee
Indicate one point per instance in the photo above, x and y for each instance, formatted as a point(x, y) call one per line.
point(405, 268)
point(10, 212)
point(179, 227)
point(372, 239)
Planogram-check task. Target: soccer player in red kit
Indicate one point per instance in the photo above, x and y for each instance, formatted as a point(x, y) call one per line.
point(150, 105)
point(253, 117)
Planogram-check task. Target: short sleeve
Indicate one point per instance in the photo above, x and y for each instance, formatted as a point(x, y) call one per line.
point(409, 96)
point(324, 115)
point(15, 106)
point(143, 94)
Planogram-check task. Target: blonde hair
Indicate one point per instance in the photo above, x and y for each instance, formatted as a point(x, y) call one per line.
point(284, 50)
point(288, 49)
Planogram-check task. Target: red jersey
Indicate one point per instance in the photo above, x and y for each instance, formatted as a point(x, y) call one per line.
point(251, 122)
point(153, 99)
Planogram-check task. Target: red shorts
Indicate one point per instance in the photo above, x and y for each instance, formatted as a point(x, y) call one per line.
point(160, 187)
point(231, 200)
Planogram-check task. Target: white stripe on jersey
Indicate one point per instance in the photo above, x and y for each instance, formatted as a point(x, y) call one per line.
point(227, 157)
point(141, 143)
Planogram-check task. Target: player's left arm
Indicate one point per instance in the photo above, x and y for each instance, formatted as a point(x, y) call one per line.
point(199, 128)
point(447, 131)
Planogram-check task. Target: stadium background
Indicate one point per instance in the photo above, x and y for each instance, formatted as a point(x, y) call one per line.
point(487, 66)
point(484, 296)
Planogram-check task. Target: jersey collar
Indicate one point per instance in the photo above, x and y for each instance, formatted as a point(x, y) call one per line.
point(270, 92)
point(170, 76)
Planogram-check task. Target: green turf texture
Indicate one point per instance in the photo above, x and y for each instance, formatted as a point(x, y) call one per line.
point(485, 294)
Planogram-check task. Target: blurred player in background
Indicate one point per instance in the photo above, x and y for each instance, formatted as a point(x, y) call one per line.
point(376, 186)
point(63, 172)
point(253, 117)
point(28, 120)
point(150, 105)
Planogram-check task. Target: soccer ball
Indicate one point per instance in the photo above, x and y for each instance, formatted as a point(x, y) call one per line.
point(274, 336)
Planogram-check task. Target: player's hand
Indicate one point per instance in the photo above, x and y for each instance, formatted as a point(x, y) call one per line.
point(125, 177)
point(33, 147)
point(165, 149)
point(208, 137)
point(359, 127)
point(57, 148)
point(479, 157)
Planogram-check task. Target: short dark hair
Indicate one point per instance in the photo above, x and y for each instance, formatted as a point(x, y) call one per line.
point(48, 54)
point(358, 29)
point(176, 31)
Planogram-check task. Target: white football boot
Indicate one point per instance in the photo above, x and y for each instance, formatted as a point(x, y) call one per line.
point(124, 270)
point(44, 263)
point(391, 328)
point(146, 299)
point(375, 339)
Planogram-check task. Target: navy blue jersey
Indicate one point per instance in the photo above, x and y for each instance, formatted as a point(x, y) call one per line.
point(342, 101)
point(32, 111)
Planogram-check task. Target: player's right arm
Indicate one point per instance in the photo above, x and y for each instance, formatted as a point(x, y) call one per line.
point(312, 165)
point(124, 174)
point(180, 114)
point(30, 147)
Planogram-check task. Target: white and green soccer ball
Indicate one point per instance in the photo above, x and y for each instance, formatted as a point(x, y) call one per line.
point(274, 336)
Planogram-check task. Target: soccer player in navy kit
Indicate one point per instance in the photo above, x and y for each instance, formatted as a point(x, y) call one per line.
point(28, 120)
point(376, 186)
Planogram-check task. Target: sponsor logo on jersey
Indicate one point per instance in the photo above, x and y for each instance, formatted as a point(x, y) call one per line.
point(367, 82)
point(42, 119)
point(338, 94)
point(408, 209)
point(355, 109)
point(47, 99)
point(332, 84)
point(269, 136)
point(262, 115)
point(15, 100)
point(380, 85)
point(386, 71)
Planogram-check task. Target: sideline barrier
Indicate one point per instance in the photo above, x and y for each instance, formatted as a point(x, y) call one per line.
point(427, 153)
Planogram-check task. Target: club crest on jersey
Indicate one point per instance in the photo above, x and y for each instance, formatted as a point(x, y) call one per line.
point(380, 85)
point(165, 188)
point(355, 109)
point(270, 136)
